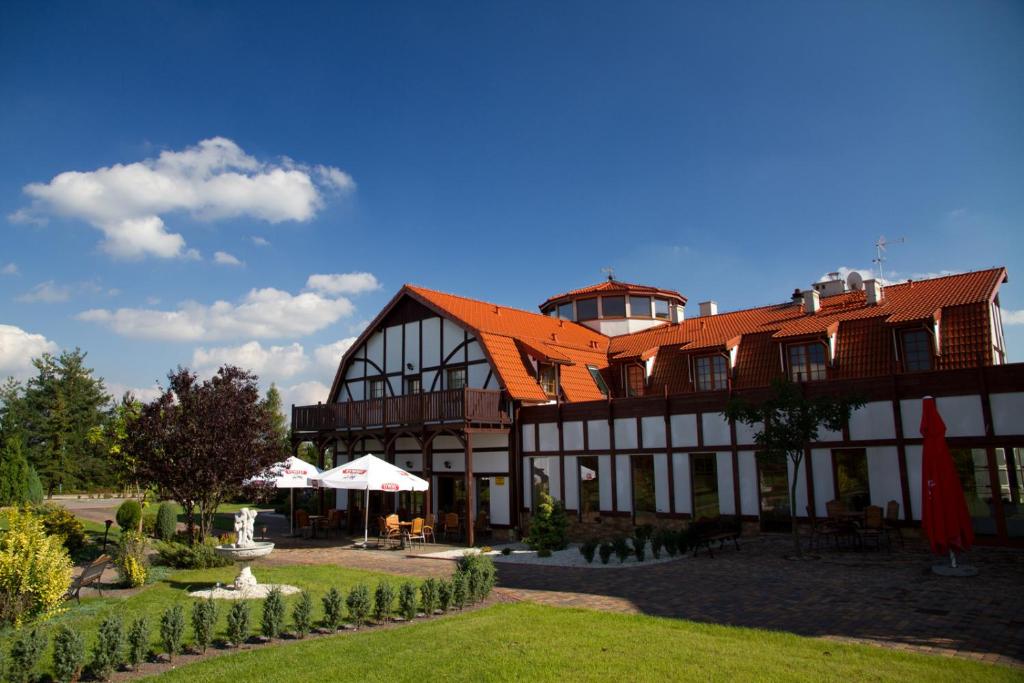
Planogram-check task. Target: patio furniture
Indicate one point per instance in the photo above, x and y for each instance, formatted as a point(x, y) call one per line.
point(822, 528)
point(482, 525)
point(89, 576)
point(874, 527)
point(335, 520)
point(451, 525)
point(387, 533)
point(302, 522)
point(892, 520)
point(706, 531)
point(416, 531)
point(428, 529)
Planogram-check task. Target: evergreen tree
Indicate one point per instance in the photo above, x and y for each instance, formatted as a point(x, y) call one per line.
point(279, 422)
point(14, 474)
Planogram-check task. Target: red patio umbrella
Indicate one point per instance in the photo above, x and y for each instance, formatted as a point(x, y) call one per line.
point(944, 516)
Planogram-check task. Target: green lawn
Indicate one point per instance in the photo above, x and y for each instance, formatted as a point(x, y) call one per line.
point(525, 641)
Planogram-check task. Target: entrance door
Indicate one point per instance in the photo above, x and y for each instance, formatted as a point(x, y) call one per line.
point(773, 489)
point(451, 494)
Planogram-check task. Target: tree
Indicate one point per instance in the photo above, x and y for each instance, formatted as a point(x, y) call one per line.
point(198, 442)
point(280, 422)
point(113, 437)
point(14, 473)
point(788, 421)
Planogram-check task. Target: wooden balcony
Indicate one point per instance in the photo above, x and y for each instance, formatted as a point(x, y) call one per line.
point(486, 407)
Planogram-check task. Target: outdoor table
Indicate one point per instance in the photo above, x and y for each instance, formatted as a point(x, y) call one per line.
point(404, 529)
point(316, 522)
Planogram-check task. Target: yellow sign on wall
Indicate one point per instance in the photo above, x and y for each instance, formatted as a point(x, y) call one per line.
point(499, 481)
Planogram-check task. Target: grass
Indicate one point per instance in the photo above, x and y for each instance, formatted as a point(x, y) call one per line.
point(525, 641)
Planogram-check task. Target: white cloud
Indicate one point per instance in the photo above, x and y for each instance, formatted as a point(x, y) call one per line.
point(212, 180)
point(1013, 317)
point(343, 283)
point(226, 259)
point(262, 314)
point(18, 348)
point(844, 272)
point(48, 292)
point(274, 362)
point(144, 394)
point(260, 241)
point(303, 394)
point(329, 355)
point(9, 269)
point(357, 327)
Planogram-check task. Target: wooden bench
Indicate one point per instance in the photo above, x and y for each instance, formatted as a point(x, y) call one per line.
point(706, 531)
point(89, 576)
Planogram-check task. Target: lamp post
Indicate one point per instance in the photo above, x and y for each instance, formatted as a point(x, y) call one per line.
point(107, 523)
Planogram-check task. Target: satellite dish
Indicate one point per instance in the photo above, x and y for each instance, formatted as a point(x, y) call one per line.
point(855, 282)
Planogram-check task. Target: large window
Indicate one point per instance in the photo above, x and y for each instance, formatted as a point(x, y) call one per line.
point(712, 373)
point(613, 307)
point(636, 380)
point(376, 388)
point(640, 307)
point(917, 350)
point(773, 490)
point(595, 374)
point(456, 378)
point(806, 362)
point(644, 502)
point(586, 309)
point(565, 311)
point(661, 309)
point(590, 489)
point(704, 480)
point(852, 485)
point(413, 385)
point(540, 476)
point(548, 378)
point(972, 466)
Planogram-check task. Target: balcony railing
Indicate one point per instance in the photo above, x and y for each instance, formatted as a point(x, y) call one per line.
point(479, 406)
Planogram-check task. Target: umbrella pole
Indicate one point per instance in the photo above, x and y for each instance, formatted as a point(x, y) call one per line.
point(366, 518)
point(952, 558)
point(291, 517)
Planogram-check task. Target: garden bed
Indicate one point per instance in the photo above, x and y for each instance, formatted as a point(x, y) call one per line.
point(570, 557)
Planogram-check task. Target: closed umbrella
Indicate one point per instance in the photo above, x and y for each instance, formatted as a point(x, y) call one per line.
point(293, 473)
point(370, 473)
point(944, 516)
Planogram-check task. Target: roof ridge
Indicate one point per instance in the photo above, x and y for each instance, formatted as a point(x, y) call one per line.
point(910, 281)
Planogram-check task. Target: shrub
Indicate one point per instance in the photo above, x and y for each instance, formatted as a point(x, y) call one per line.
point(644, 532)
point(138, 641)
point(622, 549)
point(35, 570)
point(444, 594)
point(358, 604)
point(506, 551)
point(204, 617)
point(107, 652)
point(480, 574)
point(26, 651)
point(59, 521)
point(588, 549)
point(238, 623)
point(428, 596)
point(657, 541)
point(273, 614)
point(172, 630)
point(683, 540)
point(68, 654)
point(549, 527)
point(166, 521)
point(460, 589)
point(383, 601)
point(34, 490)
point(130, 559)
point(14, 473)
point(544, 552)
point(129, 514)
point(670, 540)
point(334, 609)
point(149, 523)
point(302, 615)
point(605, 551)
point(639, 543)
point(408, 606)
point(184, 556)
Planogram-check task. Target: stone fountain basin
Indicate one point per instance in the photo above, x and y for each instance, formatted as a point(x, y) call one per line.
point(251, 552)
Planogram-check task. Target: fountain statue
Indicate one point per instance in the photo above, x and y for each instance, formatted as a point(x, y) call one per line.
point(244, 550)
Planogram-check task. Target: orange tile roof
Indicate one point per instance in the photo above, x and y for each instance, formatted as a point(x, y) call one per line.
point(617, 287)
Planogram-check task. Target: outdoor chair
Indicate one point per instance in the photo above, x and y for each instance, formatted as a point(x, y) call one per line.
point(386, 534)
point(706, 531)
point(334, 521)
point(302, 522)
point(451, 525)
point(874, 527)
point(416, 532)
point(428, 529)
point(822, 529)
point(482, 525)
point(90, 576)
point(892, 520)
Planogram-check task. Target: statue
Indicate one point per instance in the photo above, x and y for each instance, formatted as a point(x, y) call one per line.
point(244, 521)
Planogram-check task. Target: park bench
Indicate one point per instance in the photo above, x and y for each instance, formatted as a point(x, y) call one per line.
point(706, 531)
point(89, 576)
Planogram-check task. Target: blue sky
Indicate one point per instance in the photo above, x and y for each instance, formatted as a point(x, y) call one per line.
point(507, 151)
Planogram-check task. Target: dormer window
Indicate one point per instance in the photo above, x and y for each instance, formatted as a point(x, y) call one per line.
point(807, 362)
point(548, 379)
point(595, 374)
point(712, 373)
point(917, 350)
point(636, 380)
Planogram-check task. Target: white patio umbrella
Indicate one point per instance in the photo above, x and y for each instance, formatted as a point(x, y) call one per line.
point(293, 473)
point(370, 473)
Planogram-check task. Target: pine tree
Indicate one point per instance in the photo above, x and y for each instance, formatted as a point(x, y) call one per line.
point(14, 474)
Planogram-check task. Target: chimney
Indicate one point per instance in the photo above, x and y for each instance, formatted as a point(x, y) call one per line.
point(797, 296)
point(708, 308)
point(873, 290)
point(812, 301)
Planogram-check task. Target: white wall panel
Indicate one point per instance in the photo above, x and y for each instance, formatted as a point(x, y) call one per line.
point(681, 472)
point(431, 343)
point(749, 499)
point(403, 460)
point(745, 433)
point(528, 438)
point(623, 484)
point(801, 489)
point(625, 433)
point(604, 480)
point(572, 436)
point(684, 430)
point(427, 381)
point(500, 497)
point(478, 375)
point(653, 431)
point(716, 429)
point(555, 481)
point(884, 475)
point(490, 461)
point(407, 443)
point(726, 495)
point(661, 500)
point(356, 389)
point(962, 415)
point(453, 337)
point(473, 351)
point(490, 440)
point(356, 370)
point(873, 421)
point(548, 437)
point(597, 435)
point(824, 483)
point(829, 435)
point(572, 484)
point(914, 477)
point(527, 485)
point(412, 346)
point(1008, 412)
point(394, 349)
point(456, 460)
point(375, 352)
point(447, 442)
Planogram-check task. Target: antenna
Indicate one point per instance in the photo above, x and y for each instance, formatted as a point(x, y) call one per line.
point(880, 246)
point(610, 272)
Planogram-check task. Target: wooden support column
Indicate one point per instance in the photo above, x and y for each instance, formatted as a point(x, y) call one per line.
point(321, 450)
point(470, 517)
point(426, 451)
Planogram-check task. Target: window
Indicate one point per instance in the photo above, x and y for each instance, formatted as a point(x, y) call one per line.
point(640, 307)
point(807, 362)
point(376, 388)
point(595, 374)
point(704, 479)
point(540, 475)
point(644, 504)
point(551, 310)
point(773, 487)
point(548, 378)
point(661, 309)
point(852, 486)
point(917, 350)
point(456, 378)
point(586, 309)
point(712, 373)
point(413, 385)
point(565, 311)
point(613, 307)
point(636, 380)
point(972, 467)
point(590, 489)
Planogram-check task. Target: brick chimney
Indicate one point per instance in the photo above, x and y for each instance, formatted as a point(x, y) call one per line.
point(812, 301)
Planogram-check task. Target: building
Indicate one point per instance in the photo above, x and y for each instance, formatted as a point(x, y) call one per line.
point(611, 399)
